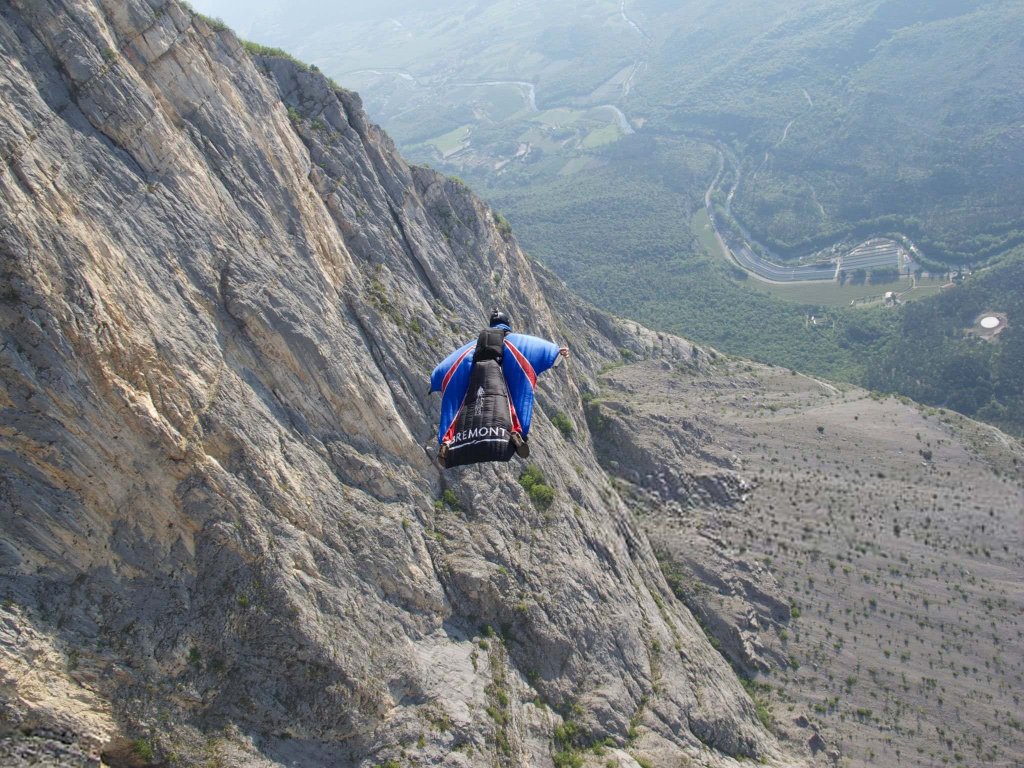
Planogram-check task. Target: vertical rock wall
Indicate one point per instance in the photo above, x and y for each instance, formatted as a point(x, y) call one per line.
point(224, 535)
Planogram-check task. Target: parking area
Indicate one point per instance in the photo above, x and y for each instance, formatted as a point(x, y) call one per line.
point(874, 254)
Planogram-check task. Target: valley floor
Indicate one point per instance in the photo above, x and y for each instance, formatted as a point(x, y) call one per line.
point(894, 531)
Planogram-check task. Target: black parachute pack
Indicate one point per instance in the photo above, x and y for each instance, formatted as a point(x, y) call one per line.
point(483, 428)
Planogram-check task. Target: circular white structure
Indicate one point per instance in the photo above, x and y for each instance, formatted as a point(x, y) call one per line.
point(990, 322)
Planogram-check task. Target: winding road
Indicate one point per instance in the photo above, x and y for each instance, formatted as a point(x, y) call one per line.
point(785, 133)
point(871, 254)
point(620, 116)
point(776, 273)
point(625, 18)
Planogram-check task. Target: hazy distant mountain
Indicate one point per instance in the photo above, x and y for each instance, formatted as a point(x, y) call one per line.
point(840, 112)
point(289, 20)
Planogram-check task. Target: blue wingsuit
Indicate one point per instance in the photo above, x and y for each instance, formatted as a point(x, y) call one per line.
point(522, 359)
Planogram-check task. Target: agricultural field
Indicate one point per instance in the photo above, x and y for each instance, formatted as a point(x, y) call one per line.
point(601, 136)
point(830, 294)
point(452, 141)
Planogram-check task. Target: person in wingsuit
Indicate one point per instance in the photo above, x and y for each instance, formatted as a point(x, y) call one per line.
point(486, 391)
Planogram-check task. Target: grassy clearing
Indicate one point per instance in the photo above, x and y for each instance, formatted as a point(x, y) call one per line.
point(577, 164)
point(541, 140)
point(451, 141)
point(499, 102)
point(560, 116)
point(924, 288)
point(505, 102)
point(701, 226)
point(601, 136)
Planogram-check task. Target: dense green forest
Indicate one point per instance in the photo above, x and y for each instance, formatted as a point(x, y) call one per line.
point(627, 246)
point(931, 358)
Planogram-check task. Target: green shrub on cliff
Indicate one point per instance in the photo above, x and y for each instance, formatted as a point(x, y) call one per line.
point(533, 480)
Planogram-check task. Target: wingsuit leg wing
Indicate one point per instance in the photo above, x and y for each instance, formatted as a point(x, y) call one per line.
point(483, 429)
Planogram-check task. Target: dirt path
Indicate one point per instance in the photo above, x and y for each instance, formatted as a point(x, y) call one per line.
point(823, 384)
point(628, 85)
point(785, 133)
point(814, 197)
point(1001, 437)
point(714, 181)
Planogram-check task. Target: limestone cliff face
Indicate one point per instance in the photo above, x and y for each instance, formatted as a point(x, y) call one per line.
point(224, 534)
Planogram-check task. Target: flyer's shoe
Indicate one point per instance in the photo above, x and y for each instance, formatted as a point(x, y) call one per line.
point(522, 447)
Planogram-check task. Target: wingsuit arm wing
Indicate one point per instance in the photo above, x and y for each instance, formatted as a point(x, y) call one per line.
point(539, 353)
point(525, 358)
point(446, 366)
point(451, 378)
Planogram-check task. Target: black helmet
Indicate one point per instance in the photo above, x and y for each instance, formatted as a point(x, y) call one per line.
point(500, 318)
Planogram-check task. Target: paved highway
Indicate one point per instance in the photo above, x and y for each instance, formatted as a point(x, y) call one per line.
point(749, 260)
point(872, 254)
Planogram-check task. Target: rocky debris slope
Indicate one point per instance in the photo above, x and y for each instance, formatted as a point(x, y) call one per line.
point(674, 470)
point(45, 750)
point(225, 539)
point(869, 578)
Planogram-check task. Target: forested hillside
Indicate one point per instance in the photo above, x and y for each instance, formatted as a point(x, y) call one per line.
point(933, 358)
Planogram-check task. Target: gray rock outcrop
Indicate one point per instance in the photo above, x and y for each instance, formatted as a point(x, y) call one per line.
point(224, 535)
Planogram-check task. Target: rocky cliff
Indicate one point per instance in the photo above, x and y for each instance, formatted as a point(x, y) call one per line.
point(225, 539)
